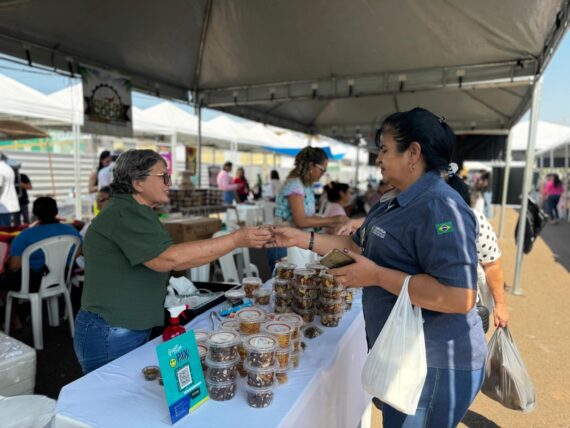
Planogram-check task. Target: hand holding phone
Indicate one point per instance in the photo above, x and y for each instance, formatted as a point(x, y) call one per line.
point(336, 259)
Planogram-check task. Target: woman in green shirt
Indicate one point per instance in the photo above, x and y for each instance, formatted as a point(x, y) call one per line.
point(128, 257)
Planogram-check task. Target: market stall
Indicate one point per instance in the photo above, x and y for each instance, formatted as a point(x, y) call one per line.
point(324, 391)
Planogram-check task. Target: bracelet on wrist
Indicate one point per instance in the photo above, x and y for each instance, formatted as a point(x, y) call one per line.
point(311, 241)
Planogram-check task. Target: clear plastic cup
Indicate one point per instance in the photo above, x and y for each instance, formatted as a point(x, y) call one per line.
point(259, 377)
point(303, 302)
point(222, 345)
point(283, 356)
point(281, 330)
point(282, 299)
point(304, 278)
point(295, 320)
point(221, 391)
point(259, 397)
point(326, 280)
point(231, 324)
point(284, 270)
point(235, 297)
point(151, 372)
point(260, 350)
point(282, 286)
point(282, 375)
point(221, 371)
point(281, 309)
point(202, 352)
point(250, 320)
point(308, 315)
point(295, 357)
point(332, 306)
point(317, 267)
point(296, 344)
point(250, 284)
point(330, 320)
point(262, 297)
point(201, 336)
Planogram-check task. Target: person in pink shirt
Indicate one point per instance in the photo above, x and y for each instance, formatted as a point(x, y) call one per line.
point(226, 183)
point(338, 196)
point(552, 192)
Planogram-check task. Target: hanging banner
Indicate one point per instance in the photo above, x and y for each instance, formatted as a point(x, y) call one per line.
point(166, 154)
point(191, 160)
point(107, 103)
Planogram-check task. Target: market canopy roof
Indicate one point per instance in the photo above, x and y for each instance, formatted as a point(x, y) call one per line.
point(548, 136)
point(323, 66)
point(16, 130)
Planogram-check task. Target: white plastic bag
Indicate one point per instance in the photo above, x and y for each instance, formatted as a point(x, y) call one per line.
point(26, 411)
point(396, 368)
point(506, 378)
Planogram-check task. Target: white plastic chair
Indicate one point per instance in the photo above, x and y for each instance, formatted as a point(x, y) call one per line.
point(228, 263)
point(56, 252)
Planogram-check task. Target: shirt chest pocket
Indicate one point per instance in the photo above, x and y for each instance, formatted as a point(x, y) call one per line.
point(384, 246)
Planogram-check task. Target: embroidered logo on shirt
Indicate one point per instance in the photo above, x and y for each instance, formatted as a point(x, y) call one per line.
point(378, 231)
point(443, 228)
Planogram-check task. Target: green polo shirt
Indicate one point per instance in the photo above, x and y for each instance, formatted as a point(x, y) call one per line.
point(118, 286)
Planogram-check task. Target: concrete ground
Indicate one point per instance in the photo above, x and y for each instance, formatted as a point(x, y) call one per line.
point(539, 323)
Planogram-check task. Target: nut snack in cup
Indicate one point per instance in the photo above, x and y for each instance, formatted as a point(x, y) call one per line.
point(304, 278)
point(348, 298)
point(330, 320)
point(284, 299)
point(284, 270)
point(317, 267)
point(282, 375)
point(221, 371)
point(261, 296)
point(295, 320)
point(296, 344)
point(250, 284)
point(283, 309)
point(260, 350)
point(201, 336)
point(295, 356)
point(221, 391)
point(332, 306)
point(231, 324)
point(303, 302)
point(308, 315)
point(222, 345)
point(250, 320)
point(151, 372)
point(326, 280)
point(259, 377)
point(283, 356)
point(259, 397)
point(281, 330)
point(282, 286)
point(202, 352)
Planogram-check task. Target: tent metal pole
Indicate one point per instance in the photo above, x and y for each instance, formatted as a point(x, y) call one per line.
point(357, 166)
point(551, 169)
point(173, 142)
point(199, 158)
point(566, 181)
point(506, 176)
point(77, 171)
point(529, 169)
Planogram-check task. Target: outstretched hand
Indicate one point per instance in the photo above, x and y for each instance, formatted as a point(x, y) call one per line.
point(362, 273)
point(252, 237)
point(286, 237)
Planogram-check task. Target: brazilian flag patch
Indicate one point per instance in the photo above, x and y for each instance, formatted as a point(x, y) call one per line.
point(443, 228)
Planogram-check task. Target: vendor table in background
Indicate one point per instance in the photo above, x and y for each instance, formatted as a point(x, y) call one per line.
point(325, 391)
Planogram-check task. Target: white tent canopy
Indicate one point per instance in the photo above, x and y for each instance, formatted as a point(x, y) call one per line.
point(548, 136)
point(321, 66)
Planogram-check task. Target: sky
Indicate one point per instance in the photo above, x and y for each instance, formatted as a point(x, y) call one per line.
point(555, 102)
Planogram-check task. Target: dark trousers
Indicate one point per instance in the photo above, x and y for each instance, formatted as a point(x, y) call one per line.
point(553, 206)
point(24, 213)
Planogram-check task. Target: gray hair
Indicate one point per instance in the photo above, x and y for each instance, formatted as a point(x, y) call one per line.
point(133, 165)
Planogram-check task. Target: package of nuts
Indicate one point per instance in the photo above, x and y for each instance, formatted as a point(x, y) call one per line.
point(259, 397)
point(235, 297)
point(231, 324)
point(281, 330)
point(221, 391)
point(250, 284)
point(284, 270)
point(283, 356)
point(261, 296)
point(260, 377)
point(151, 372)
point(295, 320)
point(304, 278)
point(308, 315)
point(326, 280)
point(336, 293)
point(295, 356)
point(261, 350)
point(317, 267)
point(222, 345)
point(221, 371)
point(281, 286)
point(282, 299)
point(348, 298)
point(303, 302)
point(296, 344)
point(282, 375)
point(330, 306)
point(281, 309)
point(201, 336)
point(330, 320)
point(202, 352)
point(250, 320)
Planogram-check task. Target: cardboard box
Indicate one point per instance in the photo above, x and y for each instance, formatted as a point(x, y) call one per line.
point(186, 229)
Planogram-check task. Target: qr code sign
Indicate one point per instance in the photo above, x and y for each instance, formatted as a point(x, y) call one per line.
point(184, 377)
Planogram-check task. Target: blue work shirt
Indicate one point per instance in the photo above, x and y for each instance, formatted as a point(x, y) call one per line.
point(427, 228)
point(35, 234)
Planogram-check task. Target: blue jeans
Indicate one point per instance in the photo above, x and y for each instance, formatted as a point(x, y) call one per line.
point(444, 401)
point(229, 197)
point(6, 219)
point(552, 202)
point(97, 343)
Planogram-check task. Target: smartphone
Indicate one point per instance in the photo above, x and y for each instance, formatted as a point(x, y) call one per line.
point(336, 259)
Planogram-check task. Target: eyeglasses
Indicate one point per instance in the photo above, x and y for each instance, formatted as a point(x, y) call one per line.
point(322, 168)
point(101, 200)
point(377, 137)
point(165, 177)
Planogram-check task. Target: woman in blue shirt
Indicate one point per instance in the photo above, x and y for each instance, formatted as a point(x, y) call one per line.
point(428, 232)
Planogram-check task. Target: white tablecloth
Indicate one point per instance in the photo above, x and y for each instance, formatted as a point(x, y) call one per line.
point(325, 391)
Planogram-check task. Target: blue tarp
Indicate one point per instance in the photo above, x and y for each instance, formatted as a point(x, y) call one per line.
point(293, 152)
